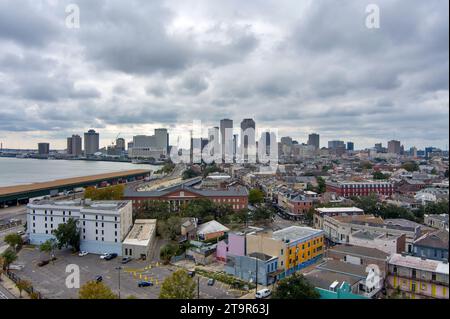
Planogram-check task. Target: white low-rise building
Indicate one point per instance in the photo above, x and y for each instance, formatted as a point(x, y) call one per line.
point(140, 240)
point(103, 225)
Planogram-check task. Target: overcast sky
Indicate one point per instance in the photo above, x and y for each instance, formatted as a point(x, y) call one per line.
point(298, 66)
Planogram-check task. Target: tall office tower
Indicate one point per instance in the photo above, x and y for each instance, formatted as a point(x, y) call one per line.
point(226, 138)
point(336, 145)
point(120, 144)
point(69, 146)
point(214, 141)
point(379, 147)
point(91, 142)
point(248, 141)
point(266, 142)
point(43, 148)
point(286, 140)
point(76, 142)
point(130, 146)
point(394, 147)
point(350, 146)
point(413, 151)
point(314, 140)
point(162, 139)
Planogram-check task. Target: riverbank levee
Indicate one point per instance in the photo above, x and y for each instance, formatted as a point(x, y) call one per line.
point(14, 195)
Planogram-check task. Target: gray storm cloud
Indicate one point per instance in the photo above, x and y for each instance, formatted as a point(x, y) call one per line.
point(297, 66)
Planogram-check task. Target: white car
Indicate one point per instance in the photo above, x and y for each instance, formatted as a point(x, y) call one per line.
point(83, 253)
point(263, 293)
point(103, 256)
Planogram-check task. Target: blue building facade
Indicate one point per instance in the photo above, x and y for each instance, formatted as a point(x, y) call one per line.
point(246, 268)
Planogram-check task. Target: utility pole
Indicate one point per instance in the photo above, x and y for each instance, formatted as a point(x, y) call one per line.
point(119, 269)
point(198, 287)
point(256, 277)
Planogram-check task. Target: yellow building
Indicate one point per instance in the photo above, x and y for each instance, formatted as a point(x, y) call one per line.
point(296, 247)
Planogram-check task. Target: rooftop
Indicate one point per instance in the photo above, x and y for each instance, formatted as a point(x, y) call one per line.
point(437, 239)
point(339, 210)
point(294, 233)
point(261, 256)
point(321, 278)
point(211, 227)
point(141, 233)
point(419, 263)
point(81, 204)
point(360, 251)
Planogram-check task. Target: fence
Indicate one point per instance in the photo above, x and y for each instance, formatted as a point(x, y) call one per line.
point(15, 278)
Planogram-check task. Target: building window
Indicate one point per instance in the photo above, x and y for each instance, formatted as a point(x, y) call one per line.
point(115, 226)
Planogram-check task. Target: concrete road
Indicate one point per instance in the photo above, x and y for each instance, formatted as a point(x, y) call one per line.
point(14, 212)
point(5, 294)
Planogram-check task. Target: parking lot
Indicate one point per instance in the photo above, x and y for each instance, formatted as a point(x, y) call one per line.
point(50, 280)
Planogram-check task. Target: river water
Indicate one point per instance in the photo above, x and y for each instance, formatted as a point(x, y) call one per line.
point(17, 171)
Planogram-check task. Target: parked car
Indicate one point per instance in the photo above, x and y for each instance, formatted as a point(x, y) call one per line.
point(145, 284)
point(98, 278)
point(103, 256)
point(263, 293)
point(83, 253)
point(43, 263)
point(126, 260)
point(211, 282)
point(111, 256)
point(20, 233)
point(191, 273)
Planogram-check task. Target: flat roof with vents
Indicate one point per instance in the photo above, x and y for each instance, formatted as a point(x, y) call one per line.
point(141, 233)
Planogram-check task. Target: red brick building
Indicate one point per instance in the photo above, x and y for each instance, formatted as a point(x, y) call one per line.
point(236, 197)
point(348, 189)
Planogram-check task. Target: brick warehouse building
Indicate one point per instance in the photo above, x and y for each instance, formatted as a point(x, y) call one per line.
point(176, 196)
point(348, 188)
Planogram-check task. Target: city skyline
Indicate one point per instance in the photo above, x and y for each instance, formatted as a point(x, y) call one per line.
point(302, 67)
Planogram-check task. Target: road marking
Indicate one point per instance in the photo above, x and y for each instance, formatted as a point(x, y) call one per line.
point(3, 296)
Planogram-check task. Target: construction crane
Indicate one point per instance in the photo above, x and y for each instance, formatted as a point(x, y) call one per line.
point(113, 143)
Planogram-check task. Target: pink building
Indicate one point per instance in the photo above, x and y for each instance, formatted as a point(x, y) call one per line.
point(233, 245)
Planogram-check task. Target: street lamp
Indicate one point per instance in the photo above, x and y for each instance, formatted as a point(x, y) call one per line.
point(119, 269)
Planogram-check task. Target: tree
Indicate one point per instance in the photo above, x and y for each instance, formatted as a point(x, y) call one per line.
point(9, 257)
point(107, 193)
point(190, 173)
point(48, 247)
point(321, 188)
point(170, 228)
point(2, 266)
point(295, 287)
point(68, 235)
point(366, 165)
point(255, 196)
point(178, 286)
point(14, 240)
point(263, 213)
point(379, 175)
point(167, 252)
point(23, 285)
point(410, 166)
point(95, 290)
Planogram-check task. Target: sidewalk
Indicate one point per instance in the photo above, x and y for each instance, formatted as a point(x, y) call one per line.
point(9, 285)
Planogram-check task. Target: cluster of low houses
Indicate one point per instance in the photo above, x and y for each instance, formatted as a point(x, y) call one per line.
point(366, 256)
